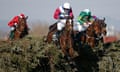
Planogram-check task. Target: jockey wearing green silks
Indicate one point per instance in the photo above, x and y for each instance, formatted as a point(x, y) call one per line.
point(84, 20)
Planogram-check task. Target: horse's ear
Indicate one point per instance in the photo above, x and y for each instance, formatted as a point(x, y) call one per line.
point(26, 17)
point(95, 19)
point(104, 19)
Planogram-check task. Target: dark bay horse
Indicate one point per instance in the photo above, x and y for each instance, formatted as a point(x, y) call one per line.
point(21, 30)
point(66, 41)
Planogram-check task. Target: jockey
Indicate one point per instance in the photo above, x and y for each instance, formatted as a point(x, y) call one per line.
point(61, 14)
point(84, 20)
point(14, 23)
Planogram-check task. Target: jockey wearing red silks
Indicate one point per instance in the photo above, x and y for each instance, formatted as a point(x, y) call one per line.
point(61, 14)
point(14, 23)
point(62, 10)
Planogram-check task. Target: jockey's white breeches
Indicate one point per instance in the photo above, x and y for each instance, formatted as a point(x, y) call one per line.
point(78, 27)
point(61, 24)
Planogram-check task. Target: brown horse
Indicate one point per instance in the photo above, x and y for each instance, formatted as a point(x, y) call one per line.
point(103, 26)
point(95, 31)
point(66, 41)
point(21, 30)
point(89, 35)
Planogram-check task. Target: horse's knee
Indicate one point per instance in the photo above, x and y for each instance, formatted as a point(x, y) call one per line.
point(71, 52)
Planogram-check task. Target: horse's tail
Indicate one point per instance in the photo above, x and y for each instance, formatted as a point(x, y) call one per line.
point(52, 27)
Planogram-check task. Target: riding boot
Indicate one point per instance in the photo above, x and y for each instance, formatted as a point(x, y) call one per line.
point(58, 34)
point(11, 35)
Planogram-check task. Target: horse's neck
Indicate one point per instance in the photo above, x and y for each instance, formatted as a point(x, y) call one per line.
point(66, 33)
point(66, 30)
point(20, 27)
point(90, 31)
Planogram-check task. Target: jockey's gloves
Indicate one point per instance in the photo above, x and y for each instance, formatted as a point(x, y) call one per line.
point(85, 24)
point(89, 23)
point(61, 16)
point(66, 15)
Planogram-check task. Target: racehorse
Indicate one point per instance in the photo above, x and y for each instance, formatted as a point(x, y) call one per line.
point(66, 40)
point(21, 30)
point(95, 32)
point(89, 36)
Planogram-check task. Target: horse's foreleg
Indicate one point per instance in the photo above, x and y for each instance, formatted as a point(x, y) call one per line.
point(17, 35)
point(49, 37)
point(83, 40)
point(71, 50)
point(63, 46)
point(92, 43)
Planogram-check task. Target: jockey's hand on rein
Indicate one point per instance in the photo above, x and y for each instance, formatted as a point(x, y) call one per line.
point(67, 17)
point(89, 23)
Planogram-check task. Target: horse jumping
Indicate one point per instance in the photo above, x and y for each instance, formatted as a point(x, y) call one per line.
point(21, 30)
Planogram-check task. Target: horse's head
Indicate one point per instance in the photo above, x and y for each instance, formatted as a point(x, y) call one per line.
point(103, 25)
point(22, 24)
point(100, 26)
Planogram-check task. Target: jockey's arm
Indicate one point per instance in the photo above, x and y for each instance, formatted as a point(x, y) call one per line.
point(80, 20)
point(57, 14)
point(92, 20)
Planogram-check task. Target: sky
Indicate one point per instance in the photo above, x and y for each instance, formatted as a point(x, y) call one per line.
point(43, 10)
